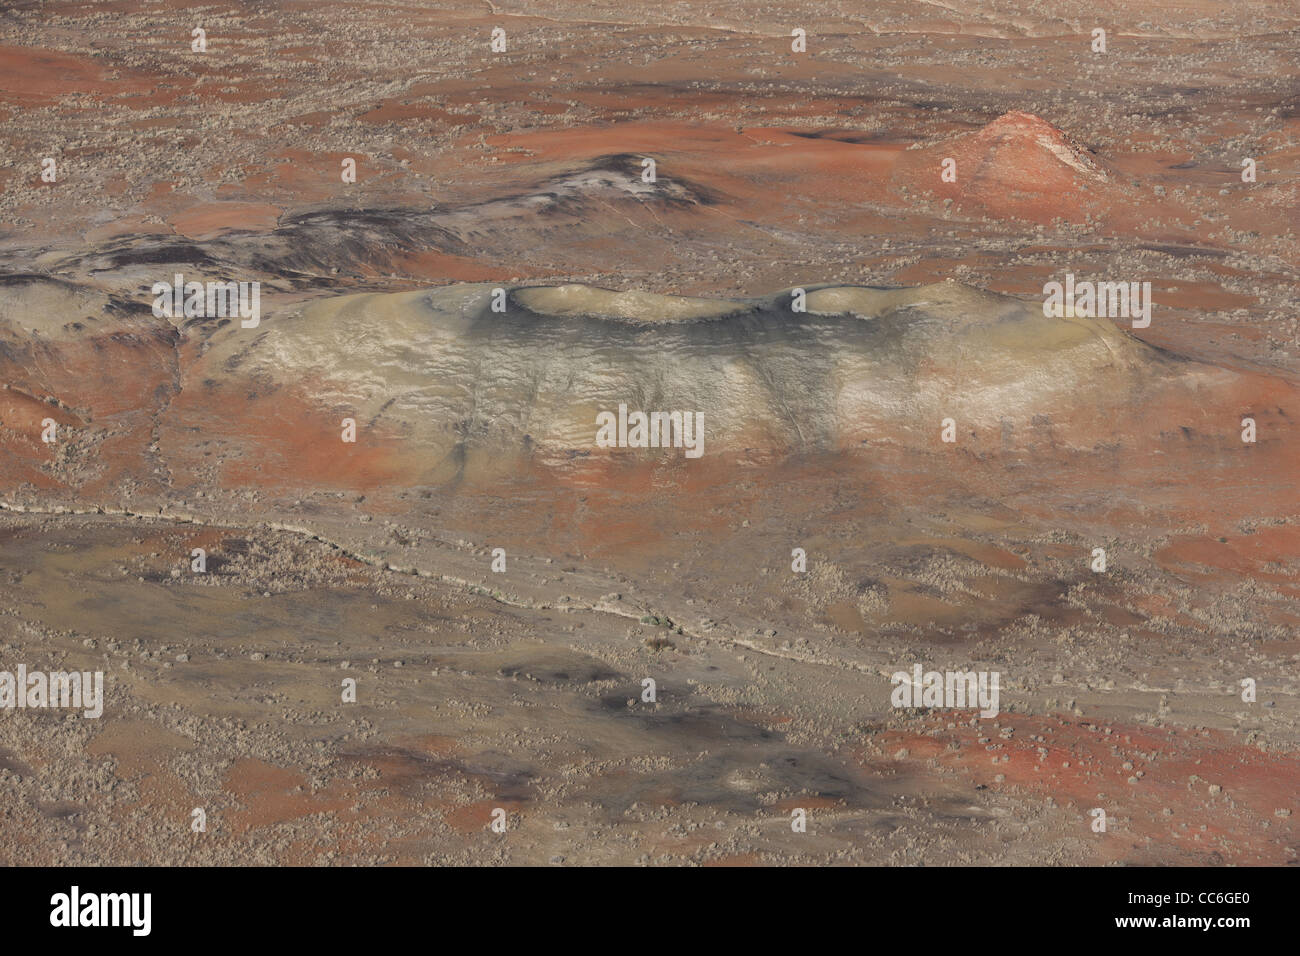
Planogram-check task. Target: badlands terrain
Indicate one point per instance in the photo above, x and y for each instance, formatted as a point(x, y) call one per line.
point(430, 644)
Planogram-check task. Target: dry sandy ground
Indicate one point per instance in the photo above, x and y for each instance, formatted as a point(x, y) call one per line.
point(521, 690)
point(226, 697)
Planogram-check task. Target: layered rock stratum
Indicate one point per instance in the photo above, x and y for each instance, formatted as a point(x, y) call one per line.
point(499, 584)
